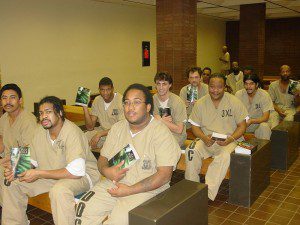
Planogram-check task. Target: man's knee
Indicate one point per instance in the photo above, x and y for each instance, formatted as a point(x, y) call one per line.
point(58, 191)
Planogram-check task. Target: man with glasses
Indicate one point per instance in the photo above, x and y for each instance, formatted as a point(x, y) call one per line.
point(64, 166)
point(17, 125)
point(169, 108)
point(106, 109)
point(127, 187)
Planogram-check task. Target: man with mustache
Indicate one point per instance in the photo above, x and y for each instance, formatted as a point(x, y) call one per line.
point(235, 79)
point(285, 104)
point(259, 105)
point(17, 125)
point(64, 167)
point(218, 112)
point(194, 90)
point(107, 109)
point(125, 188)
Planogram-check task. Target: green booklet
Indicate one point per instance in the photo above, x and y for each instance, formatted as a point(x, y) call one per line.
point(293, 85)
point(83, 96)
point(128, 154)
point(192, 93)
point(20, 160)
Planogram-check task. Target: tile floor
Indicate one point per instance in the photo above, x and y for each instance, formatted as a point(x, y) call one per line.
point(278, 204)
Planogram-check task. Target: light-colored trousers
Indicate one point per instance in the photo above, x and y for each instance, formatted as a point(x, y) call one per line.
point(216, 170)
point(97, 204)
point(91, 134)
point(261, 131)
point(61, 193)
point(275, 118)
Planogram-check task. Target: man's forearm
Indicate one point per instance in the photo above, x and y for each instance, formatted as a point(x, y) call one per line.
point(88, 119)
point(56, 174)
point(198, 132)
point(262, 119)
point(176, 128)
point(239, 131)
point(102, 165)
point(161, 177)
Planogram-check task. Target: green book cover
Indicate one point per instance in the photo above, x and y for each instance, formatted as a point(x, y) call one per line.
point(192, 93)
point(20, 160)
point(128, 154)
point(83, 96)
point(292, 89)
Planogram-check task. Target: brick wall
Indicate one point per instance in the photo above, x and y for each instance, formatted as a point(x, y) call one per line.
point(176, 38)
point(282, 44)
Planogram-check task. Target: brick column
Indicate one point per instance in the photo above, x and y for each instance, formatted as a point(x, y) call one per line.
point(176, 38)
point(252, 36)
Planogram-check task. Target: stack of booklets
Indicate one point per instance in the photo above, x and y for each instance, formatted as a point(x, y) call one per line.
point(192, 93)
point(20, 160)
point(245, 148)
point(83, 96)
point(293, 86)
point(127, 154)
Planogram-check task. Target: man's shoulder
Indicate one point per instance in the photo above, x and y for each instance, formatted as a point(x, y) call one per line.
point(231, 98)
point(241, 93)
point(118, 96)
point(274, 84)
point(175, 98)
point(184, 88)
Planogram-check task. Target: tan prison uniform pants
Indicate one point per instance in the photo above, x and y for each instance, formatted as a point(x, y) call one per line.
point(1, 183)
point(61, 193)
point(90, 135)
point(275, 118)
point(261, 131)
point(97, 204)
point(216, 170)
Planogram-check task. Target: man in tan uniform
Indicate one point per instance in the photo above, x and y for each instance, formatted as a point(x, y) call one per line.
point(217, 112)
point(126, 188)
point(165, 99)
point(259, 105)
point(235, 79)
point(17, 125)
point(63, 163)
point(107, 109)
point(206, 72)
point(194, 90)
point(225, 60)
point(285, 104)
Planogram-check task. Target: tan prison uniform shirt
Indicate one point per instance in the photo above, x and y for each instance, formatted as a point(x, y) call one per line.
point(226, 65)
point(235, 84)
point(282, 100)
point(202, 90)
point(261, 102)
point(70, 144)
point(20, 133)
point(178, 113)
point(113, 114)
point(223, 119)
point(154, 144)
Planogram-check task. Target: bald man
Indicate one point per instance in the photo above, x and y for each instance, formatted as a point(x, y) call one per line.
point(225, 60)
point(285, 104)
point(235, 79)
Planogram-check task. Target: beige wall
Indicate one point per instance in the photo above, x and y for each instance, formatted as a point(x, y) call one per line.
point(51, 47)
point(211, 35)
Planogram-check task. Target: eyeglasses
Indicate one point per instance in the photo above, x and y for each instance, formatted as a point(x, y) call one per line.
point(134, 103)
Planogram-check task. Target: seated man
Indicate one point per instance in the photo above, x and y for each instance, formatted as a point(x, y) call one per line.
point(235, 79)
point(206, 72)
point(248, 70)
point(217, 112)
point(259, 105)
point(285, 104)
point(126, 188)
point(194, 90)
point(106, 109)
point(65, 167)
point(165, 100)
point(17, 125)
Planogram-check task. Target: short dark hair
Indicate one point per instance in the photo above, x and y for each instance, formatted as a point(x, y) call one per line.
point(254, 77)
point(217, 75)
point(57, 105)
point(106, 81)
point(11, 86)
point(249, 68)
point(207, 68)
point(193, 70)
point(163, 76)
point(145, 90)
